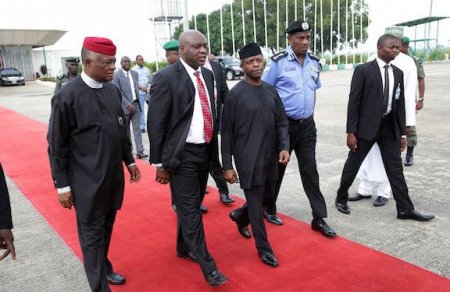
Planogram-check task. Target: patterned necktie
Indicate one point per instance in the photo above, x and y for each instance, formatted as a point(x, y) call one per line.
point(206, 110)
point(386, 89)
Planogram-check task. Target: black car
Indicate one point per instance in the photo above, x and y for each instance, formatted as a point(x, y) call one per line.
point(230, 66)
point(11, 76)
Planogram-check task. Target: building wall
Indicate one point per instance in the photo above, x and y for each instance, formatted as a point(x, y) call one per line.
point(55, 60)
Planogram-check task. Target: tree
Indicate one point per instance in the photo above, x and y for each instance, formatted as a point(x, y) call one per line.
point(358, 6)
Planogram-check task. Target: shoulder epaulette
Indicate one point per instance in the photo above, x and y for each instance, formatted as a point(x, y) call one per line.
point(279, 56)
point(314, 57)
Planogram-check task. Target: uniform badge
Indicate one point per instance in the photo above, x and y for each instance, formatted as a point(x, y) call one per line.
point(305, 26)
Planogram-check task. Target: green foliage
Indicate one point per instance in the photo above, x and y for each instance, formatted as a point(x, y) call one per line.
point(215, 24)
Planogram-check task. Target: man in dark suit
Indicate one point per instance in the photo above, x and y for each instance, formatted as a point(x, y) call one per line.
point(376, 113)
point(220, 93)
point(182, 127)
point(127, 82)
point(6, 236)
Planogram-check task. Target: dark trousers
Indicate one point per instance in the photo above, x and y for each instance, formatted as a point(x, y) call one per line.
point(217, 174)
point(251, 213)
point(188, 185)
point(390, 152)
point(95, 236)
point(303, 139)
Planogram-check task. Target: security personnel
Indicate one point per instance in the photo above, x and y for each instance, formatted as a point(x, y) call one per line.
point(171, 48)
point(411, 139)
point(295, 74)
point(72, 72)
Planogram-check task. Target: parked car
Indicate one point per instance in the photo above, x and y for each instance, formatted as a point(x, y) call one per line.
point(230, 66)
point(11, 76)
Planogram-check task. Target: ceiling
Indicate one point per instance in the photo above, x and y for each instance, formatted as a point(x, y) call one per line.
point(31, 37)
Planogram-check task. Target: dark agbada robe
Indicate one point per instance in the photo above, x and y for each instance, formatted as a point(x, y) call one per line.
point(255, 130)
point(88, 145)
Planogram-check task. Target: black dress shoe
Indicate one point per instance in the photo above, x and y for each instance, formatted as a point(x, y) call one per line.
point(269, 259)
point(342, 207)
point(203, 209)
point(242, 229)
point(215, 278)
point(226, 199)
point(115, 279)
point(143, 131)
point(322, 226)
point(380, 201)
point(358, 197)
point(274, 219)
point(142, 155)
point(414, 215)
point(409, 161)
point(188, 256)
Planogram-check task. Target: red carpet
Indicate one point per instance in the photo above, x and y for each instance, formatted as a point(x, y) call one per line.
point(143, 244)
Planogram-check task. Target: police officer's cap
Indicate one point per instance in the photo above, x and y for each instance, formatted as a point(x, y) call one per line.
point(171, 45)
point(405, 40)
point(298, 26)
point(73, 60)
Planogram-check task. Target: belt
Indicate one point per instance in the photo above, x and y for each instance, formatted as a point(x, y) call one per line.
point(197, 145)
point(292, 121)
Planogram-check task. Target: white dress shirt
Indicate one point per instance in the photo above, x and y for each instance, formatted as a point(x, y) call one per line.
point(196, 133)
point(408, 66)
point(381, 64)
point(130, 78)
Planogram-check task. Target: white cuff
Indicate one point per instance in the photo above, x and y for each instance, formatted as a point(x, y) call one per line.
point(131, 164)
point(157, 164)
point(64, 190)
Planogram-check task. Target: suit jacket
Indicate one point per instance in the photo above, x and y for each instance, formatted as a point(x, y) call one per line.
point(5, 207)
point(222, 87)
point(170, 113)
point(365, 105)
point(121, 81)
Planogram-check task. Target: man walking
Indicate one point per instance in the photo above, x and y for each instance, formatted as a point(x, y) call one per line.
point(182, 126)
point(376, 113)
point(127, 82)
point(295, 74)
point(87, 148)
point(255, 132)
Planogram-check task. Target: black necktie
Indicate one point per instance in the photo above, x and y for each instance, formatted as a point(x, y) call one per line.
point(386, 89)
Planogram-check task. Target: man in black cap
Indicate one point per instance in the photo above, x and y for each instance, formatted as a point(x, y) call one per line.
point(72, 72)
point(295, 74)
point(255, 133)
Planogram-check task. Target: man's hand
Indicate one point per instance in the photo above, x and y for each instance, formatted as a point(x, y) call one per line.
point(408, 131)
point(143, 88)
point(130, 107)
point(352, 142)
point(283, 157)
point(66, 200)
point(162, 175)
point(402, 144)
point(7, 242)
point(135, 174)
point(230, 176)
point(419, 105)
